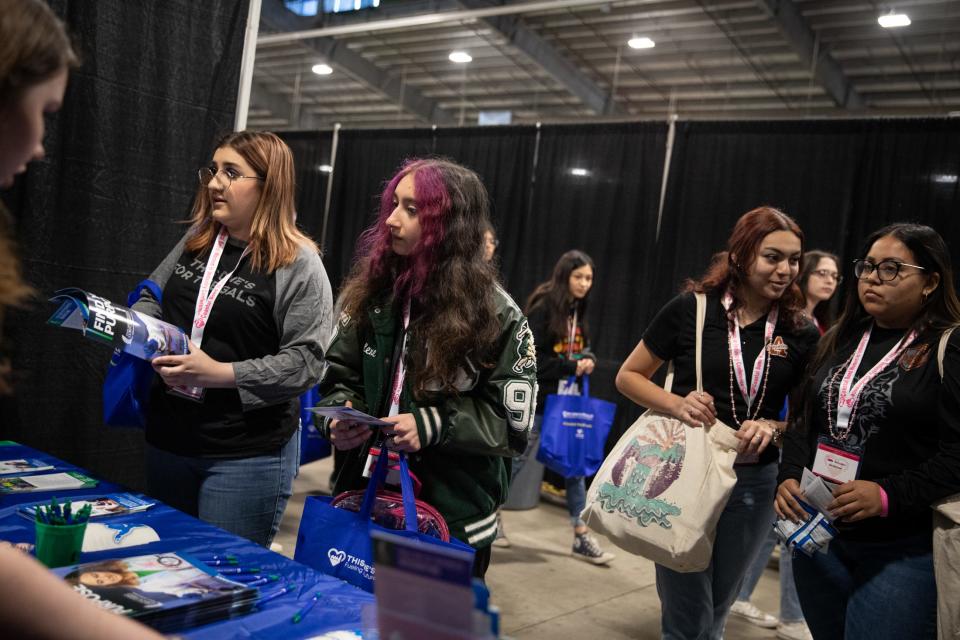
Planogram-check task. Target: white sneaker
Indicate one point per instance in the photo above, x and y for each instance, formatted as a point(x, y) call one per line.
point(754, 615)
point(794, 631)
point(501, 541)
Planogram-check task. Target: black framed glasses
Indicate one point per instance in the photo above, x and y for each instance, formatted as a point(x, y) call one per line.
point(828, 275)
point(887, 270)
point(207, 174)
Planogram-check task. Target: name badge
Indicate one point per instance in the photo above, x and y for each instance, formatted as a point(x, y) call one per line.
point(835, 464)
point(190, 393)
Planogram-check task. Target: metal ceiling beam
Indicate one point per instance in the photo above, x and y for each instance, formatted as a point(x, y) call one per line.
point(337, 54)
point(565, 72)
point(279, 106)
point(826, 70)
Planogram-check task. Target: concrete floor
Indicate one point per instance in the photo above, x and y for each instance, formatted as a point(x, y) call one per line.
point(545, 594)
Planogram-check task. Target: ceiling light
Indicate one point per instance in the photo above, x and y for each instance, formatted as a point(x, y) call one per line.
point(945, 178)
point(641, 43)
point(892, 19)
point(460, 57)
point(579, 171)
point(324, 168)
point(322, 69)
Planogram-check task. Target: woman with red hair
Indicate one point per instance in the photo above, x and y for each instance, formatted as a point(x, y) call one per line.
point(756, 342)
point(428, 339)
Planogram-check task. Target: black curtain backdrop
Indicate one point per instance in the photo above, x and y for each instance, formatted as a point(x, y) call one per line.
point(311, 150)
point(157, 87)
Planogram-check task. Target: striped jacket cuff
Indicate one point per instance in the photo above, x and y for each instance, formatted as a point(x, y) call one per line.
point(429, 424)
point(481, 532)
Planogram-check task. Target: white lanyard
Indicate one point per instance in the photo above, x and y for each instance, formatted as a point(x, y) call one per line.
point(736, 352)
point(207, 296)
point(572, 334)
point(401, 370)
point(849, 393)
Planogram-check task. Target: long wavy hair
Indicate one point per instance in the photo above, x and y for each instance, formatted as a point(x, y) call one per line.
point(554, 294)
point(274, 240)
point(810, 261)
point(451, 287)
point(728, 269)
point(940, 311)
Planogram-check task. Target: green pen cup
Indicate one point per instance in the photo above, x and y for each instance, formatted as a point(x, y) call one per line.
point(59, 545)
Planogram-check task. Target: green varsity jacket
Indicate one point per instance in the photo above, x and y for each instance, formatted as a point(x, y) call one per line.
point(467, 439)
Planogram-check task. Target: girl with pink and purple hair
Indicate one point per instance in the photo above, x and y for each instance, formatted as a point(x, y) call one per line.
point(429, 340)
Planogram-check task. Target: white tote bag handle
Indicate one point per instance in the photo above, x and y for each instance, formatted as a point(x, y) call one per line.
point(701, 318)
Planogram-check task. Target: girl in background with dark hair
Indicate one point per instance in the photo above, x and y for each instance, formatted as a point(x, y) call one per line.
point(223, 421)
point(756, 343)
point(876, 394)
point(429, 339)
point(819, 278)
point(557, 310)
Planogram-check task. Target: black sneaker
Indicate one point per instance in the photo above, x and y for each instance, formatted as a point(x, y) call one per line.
point(585, 548)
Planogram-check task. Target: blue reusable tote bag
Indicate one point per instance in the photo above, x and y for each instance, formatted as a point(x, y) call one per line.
point(574, 432)
point(126, 389)
point(337, 541)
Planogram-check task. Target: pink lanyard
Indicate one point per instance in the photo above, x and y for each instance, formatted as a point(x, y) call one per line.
point(849, 392)
point(571, 336)
point(401, 370)
point(736, 352)
point(207, 296)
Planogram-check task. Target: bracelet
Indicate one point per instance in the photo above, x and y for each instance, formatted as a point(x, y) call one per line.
point(776, 432)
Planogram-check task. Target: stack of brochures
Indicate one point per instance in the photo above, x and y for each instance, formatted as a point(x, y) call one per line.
point(113, 504)
point(46, 482)
point(24, 465)
point(170, 591)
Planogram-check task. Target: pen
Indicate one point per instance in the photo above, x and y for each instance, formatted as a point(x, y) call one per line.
point(276, 594)
point(263, 580)
point(232, 571)
point(300, 615)
point(66, 513)
point(228, 558)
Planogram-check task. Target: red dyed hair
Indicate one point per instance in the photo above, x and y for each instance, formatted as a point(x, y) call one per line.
point(728, 269)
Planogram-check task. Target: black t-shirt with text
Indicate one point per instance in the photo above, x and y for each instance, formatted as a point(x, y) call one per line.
point(241, 326)
point(672, 336)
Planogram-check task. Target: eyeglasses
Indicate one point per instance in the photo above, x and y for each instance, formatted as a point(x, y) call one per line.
point(207, 174)
point(828, 275)
point(887, 270)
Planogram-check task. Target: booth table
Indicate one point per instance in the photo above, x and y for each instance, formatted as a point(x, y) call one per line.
point(338, 610)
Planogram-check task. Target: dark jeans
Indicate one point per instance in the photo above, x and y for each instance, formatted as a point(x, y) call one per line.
point(869, 590)
point(245, 496)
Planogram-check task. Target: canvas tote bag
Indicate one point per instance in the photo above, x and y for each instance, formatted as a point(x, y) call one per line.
point(661, 490)
point(946, 545)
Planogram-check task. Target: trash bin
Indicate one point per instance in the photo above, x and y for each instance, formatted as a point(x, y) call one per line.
point(525, 489)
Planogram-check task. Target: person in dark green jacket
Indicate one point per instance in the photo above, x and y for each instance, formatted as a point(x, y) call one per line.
point(429, 339)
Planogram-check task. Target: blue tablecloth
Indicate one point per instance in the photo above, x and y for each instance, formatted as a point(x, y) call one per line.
point(339, 609)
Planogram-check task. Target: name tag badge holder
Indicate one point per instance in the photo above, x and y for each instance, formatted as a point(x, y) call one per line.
point(835, 462)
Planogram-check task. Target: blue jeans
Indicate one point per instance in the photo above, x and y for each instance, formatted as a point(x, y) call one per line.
point(870, 590)
point(575, 486)
point(694, 606)
point(789, 601)
point(245, 496)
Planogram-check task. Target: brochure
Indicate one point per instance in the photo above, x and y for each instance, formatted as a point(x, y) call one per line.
point(350, 414)
point(167, 591)
point(46, 482)
point(24, 465)
point(113, 504)
point(120, 327)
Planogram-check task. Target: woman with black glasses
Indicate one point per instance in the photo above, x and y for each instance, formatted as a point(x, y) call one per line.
point(877, 421)
point(249, 288)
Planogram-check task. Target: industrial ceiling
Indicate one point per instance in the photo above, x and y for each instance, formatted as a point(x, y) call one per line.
point(569, 61)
